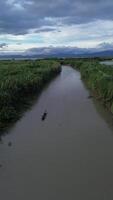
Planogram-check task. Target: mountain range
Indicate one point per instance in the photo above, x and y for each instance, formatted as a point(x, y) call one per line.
point(102, 50)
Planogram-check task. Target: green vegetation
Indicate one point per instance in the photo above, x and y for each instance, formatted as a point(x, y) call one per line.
point(22, 80)
point(98, 77)
point(19, 81)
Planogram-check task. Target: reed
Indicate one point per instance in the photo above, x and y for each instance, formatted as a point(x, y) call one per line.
point(98, 77)
point(19, 81)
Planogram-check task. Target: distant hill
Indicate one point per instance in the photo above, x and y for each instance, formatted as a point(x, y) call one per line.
point(107, 53)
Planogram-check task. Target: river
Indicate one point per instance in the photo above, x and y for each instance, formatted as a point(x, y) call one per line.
point(66, 157)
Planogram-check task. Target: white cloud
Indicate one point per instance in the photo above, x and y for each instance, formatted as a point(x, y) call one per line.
point(83, 36)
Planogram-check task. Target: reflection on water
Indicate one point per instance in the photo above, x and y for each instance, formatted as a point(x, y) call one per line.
point(67, 156)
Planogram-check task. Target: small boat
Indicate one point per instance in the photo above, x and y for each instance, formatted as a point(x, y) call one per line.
point(44, 116)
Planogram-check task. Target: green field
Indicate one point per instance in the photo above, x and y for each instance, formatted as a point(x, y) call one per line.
point(19, 81)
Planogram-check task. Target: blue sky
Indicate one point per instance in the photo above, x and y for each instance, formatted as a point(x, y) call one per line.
point(29, 24)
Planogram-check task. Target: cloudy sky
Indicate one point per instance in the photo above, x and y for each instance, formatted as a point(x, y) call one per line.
point(30, 24)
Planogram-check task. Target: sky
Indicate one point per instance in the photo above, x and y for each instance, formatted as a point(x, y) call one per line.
point(33, 25)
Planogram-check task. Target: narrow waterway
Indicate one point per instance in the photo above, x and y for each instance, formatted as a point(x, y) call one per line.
point(68, 156)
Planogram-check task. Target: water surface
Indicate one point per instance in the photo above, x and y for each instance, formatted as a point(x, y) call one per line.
point(107, 62)
point(66, 157)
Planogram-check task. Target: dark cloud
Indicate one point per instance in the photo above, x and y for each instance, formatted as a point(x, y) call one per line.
point(2, 45)
point(105, 46)
point(19, 16)
point(40, 30)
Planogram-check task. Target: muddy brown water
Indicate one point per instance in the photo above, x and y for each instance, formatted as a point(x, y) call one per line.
point(67, 156)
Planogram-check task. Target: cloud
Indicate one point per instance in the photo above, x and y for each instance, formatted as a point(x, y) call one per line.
point(20, 16)
point(45, 29)
point(105, 46)
point(2, 45)
point(28, 24)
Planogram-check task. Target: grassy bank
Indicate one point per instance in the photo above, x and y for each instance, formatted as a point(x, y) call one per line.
point(99, 78)
point(19, 80)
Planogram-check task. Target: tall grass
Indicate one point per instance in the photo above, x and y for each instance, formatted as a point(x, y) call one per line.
point(99, 78)
point(19, 80)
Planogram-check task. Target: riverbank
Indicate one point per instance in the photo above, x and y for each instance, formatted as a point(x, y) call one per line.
point(98, 77)
point(19, 81)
